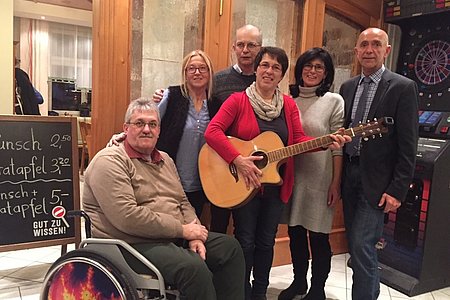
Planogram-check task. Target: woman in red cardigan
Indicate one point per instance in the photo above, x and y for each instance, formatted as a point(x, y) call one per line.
point(261, 107)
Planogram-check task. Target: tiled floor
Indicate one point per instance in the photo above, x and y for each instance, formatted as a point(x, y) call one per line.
point(22, 272)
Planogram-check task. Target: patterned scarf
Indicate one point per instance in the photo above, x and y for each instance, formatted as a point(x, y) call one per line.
point(265, 111)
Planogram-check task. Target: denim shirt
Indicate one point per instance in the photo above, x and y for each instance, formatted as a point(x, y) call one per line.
point(191, 142)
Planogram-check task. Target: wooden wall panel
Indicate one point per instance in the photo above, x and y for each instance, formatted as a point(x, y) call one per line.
point(371, 7)
point(217, 32)
point(111, 63)
point(367, 17)
point(312, 29)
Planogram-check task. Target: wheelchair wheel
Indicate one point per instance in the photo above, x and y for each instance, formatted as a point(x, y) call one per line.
point(82, 274)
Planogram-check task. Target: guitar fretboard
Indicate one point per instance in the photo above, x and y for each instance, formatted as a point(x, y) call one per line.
point(285, 152)
point(325, 141)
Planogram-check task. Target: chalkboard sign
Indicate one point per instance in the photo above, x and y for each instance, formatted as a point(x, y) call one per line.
point(39, 181)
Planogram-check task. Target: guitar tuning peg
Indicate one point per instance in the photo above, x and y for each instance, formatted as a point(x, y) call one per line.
point(381, 135)
point(365, 138)
point(373, 137)
point(375, 119)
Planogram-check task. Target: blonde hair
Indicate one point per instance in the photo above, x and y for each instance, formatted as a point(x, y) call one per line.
point(186, 60)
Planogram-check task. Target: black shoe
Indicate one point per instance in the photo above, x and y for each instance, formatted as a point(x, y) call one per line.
point(295, 289)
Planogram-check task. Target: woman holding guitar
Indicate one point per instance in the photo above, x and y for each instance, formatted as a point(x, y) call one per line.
point(317, 175)
point(261, 107)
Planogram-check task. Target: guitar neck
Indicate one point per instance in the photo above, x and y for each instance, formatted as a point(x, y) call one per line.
point(292, 150)
point(323, 141)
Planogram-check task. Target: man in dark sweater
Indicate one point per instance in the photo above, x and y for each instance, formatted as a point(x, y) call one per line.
point(239, 76)
point(235, 79)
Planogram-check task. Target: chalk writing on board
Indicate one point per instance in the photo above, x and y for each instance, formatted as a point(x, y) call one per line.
point(36, 180)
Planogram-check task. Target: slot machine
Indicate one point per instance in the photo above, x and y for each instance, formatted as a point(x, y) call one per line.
point(414, 254)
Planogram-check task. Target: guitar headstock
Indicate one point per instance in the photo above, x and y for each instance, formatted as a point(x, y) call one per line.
point(371, 128)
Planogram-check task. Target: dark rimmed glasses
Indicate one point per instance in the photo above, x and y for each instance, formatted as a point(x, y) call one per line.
point(318, 67)
point(201, 69)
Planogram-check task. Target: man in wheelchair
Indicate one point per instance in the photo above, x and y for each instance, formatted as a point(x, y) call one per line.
point(132, 192)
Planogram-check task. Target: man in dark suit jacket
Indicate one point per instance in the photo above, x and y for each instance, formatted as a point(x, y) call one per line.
point(376, 178)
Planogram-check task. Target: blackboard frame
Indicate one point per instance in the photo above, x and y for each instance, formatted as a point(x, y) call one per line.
point(72, 121)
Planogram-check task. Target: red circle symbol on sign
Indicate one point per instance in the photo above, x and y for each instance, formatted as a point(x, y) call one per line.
point(58, 212)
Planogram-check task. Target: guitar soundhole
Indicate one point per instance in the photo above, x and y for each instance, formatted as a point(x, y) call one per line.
point(261, 164)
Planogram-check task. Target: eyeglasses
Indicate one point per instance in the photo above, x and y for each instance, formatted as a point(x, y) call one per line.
point(265, 66)
point(201, 69)
point(141, 124)
point(318, 67)
point(250, 45)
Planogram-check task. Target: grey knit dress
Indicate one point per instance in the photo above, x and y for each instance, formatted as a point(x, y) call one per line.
point(313, 171)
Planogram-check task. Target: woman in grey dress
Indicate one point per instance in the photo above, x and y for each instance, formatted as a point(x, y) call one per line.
point(317, 175)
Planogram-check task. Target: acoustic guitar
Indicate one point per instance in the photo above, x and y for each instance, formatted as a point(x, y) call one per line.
point(225, 187)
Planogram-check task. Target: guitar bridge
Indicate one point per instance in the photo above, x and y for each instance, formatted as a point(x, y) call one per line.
point(233, 171)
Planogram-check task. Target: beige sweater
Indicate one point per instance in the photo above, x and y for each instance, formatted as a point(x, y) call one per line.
point(313, 171)
point(134, 200)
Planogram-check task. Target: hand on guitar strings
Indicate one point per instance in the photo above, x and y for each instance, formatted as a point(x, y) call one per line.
point(248, 170)
point(339, 139)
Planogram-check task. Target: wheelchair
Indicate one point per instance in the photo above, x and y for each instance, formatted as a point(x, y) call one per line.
point(104, 269)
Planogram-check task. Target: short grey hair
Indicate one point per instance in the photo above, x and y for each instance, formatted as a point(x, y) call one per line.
point(251, 28)
point(141, 104)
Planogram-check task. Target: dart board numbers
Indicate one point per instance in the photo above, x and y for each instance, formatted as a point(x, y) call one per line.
point(432, 63)
point(424, 57)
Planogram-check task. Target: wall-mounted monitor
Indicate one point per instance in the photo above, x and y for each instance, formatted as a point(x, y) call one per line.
point(66, 99)
point(62, 96)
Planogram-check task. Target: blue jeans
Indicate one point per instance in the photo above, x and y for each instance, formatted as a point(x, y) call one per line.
point(255, 227)
point(364, 226)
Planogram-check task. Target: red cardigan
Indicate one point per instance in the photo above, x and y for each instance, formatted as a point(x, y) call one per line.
point(237, 118)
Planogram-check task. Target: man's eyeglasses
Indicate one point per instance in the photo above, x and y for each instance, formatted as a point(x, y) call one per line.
point(201, 69)
point(265, 66)
point(250, 45)
point(141, 124)
point(318, 67)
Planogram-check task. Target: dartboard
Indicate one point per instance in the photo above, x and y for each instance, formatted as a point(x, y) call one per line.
point(432, 63)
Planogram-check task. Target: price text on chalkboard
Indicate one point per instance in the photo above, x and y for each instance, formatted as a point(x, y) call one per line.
point(38, 179)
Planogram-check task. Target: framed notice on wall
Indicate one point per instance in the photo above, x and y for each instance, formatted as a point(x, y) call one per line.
point(39, 181)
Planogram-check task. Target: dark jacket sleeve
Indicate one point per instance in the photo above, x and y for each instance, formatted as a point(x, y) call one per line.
point(406, 128)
